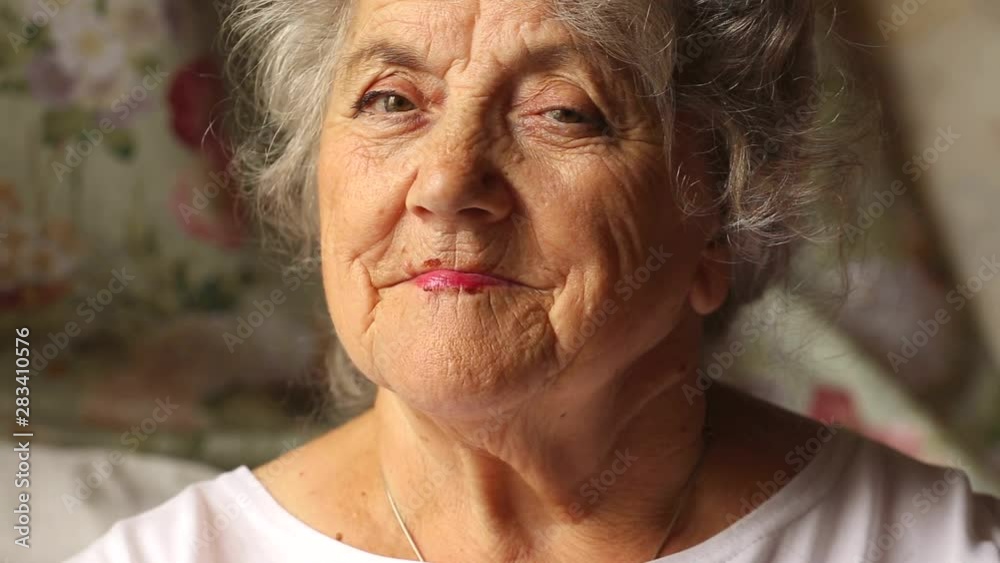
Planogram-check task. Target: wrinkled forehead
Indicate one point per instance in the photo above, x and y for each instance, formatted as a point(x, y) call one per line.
point(436, 35)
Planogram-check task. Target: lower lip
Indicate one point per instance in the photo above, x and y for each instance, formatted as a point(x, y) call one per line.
point(450, 279)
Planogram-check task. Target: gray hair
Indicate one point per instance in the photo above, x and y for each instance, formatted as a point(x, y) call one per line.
point(753, 74)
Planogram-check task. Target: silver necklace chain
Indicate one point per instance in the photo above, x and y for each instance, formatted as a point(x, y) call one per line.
point(402, 526)
point(681, 502)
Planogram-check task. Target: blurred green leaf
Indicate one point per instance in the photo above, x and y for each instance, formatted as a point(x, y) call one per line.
point(146, 60)
point(64, 125)
point(8, 15)
point(20, 48)
point(180, 276)
point(121, 143)
point(7, 58)
point(13, 85)
point(151, 243)
point(19, 44)
point(209, 295)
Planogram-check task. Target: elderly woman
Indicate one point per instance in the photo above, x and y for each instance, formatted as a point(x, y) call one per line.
point(532, 218)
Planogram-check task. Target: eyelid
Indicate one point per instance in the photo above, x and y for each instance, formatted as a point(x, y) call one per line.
point(594, 120)
point(562, 94)
point(371, 96)
point(368, 97)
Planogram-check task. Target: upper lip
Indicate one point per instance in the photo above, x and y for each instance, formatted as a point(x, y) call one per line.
point(413, 272)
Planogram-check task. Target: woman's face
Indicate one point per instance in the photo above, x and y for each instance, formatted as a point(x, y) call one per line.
point(476, 136)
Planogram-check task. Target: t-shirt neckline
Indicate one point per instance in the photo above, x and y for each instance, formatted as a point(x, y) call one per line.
point(277, 515)
point(802, 492)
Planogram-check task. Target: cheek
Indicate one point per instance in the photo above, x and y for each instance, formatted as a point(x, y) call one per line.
point(627, 253)
point(613, 213)
point(358, 203)
point(358, 211)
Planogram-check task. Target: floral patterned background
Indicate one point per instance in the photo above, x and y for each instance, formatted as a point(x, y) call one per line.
point(125, 251)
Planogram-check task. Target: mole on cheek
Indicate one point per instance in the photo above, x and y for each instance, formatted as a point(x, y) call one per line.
point(432, 263)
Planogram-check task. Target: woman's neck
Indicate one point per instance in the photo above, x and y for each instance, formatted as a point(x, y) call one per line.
point(463, 503)
point(554, 478)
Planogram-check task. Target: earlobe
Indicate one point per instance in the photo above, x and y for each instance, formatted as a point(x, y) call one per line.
point(712, 279)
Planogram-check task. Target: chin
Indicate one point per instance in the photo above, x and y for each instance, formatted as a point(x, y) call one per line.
point(462, 369)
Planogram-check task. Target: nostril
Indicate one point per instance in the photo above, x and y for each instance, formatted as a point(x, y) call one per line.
point(422, 212)
point(477, 213)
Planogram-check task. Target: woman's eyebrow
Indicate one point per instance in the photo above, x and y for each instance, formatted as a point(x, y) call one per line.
point(385, 52)
point(393, 54)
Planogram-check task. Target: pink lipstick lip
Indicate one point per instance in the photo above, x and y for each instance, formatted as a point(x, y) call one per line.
point(453, 279)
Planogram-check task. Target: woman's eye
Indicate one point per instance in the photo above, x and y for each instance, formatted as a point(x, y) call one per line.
point(572, 117)
point(390, 101)
point(564, 115)
point(395, 102)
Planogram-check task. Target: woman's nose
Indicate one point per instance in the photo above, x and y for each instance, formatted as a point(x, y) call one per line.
point(458, 182)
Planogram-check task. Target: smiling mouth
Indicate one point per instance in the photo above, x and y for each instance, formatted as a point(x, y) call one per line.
point(442, 280)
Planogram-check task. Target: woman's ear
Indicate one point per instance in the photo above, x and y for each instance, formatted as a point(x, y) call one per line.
point(712, 278)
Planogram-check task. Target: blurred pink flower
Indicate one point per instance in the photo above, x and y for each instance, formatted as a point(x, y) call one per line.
point(195, 99)
point(210, 218)
point(832, 404)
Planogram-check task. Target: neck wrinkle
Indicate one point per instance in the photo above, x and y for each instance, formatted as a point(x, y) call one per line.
point(534, 478)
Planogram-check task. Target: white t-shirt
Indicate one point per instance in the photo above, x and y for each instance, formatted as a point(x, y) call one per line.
point(856, 502)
